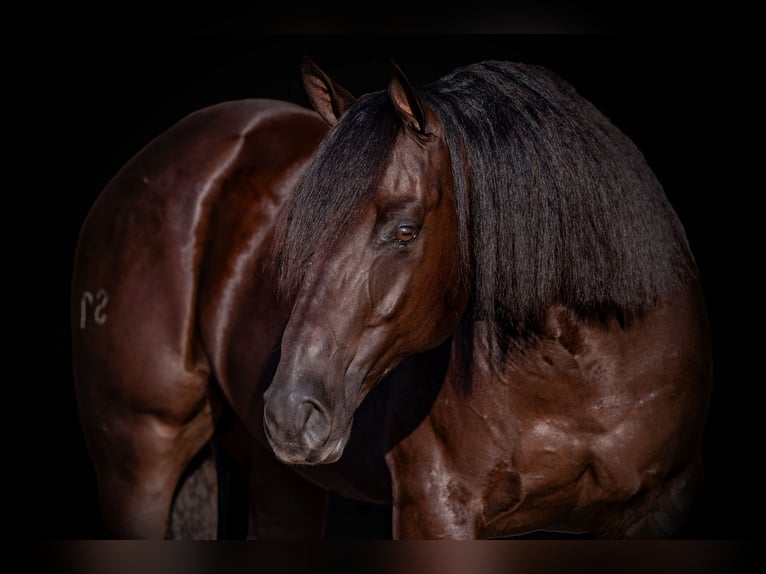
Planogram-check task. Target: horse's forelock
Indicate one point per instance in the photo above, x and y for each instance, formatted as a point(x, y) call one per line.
point(343, 173)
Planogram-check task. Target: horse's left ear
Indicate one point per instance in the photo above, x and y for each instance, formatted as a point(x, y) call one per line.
point(405, 100)
point(329, 98)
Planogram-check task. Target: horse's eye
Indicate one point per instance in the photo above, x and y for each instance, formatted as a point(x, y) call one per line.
point(406, 233)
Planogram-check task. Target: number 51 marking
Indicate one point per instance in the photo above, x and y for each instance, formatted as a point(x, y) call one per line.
point(89, 300)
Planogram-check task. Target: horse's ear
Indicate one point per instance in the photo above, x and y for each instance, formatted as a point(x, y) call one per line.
point(329, 99)
point(405, 100)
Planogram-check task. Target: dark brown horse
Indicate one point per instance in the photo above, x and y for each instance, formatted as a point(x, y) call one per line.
point(489, 316)
point(173, 314)
point(498, 240)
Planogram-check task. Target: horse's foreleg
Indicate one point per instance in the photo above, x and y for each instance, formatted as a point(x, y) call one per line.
point(431, 501)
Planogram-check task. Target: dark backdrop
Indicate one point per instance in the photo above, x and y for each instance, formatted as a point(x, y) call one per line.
point(90, 104)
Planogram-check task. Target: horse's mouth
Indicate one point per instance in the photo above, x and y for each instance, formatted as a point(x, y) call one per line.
point(333, 453)
point(295, 452)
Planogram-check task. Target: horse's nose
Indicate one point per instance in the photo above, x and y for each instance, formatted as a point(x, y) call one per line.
point(297, 424)
point(315, 423)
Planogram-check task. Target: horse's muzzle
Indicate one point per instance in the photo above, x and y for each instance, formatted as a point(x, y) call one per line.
point(298, 428)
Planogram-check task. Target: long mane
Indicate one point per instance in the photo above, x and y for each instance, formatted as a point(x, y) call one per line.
point(555, 204)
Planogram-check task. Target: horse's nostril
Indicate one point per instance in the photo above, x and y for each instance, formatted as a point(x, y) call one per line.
point(316, 424)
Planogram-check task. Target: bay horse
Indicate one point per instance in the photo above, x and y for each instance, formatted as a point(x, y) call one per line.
point(472, 302)
point(172, 312)
point(497, 324)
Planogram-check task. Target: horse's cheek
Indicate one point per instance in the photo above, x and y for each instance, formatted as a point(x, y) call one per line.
point(388, 286)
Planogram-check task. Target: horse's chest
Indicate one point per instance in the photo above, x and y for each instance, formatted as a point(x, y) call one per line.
point(603, 449)
point(555, 458)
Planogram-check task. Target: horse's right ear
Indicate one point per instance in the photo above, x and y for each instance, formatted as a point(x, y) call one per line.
point(329, 99)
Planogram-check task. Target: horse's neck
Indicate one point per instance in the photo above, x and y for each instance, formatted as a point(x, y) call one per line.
point(478, 367)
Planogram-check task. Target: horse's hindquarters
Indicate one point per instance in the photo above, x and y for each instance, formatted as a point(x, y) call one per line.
point(190, 211)
point(145, 414)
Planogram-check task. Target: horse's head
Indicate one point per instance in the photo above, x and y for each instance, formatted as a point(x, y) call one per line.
point(373, 283)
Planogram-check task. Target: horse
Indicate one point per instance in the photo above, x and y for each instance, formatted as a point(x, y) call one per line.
point(471, 302)
point(173, 316)
point(497, 322)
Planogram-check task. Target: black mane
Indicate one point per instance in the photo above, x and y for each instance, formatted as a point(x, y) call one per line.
point(559, 205)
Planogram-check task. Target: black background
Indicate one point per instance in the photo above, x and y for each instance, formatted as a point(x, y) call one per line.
point(91, 103)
